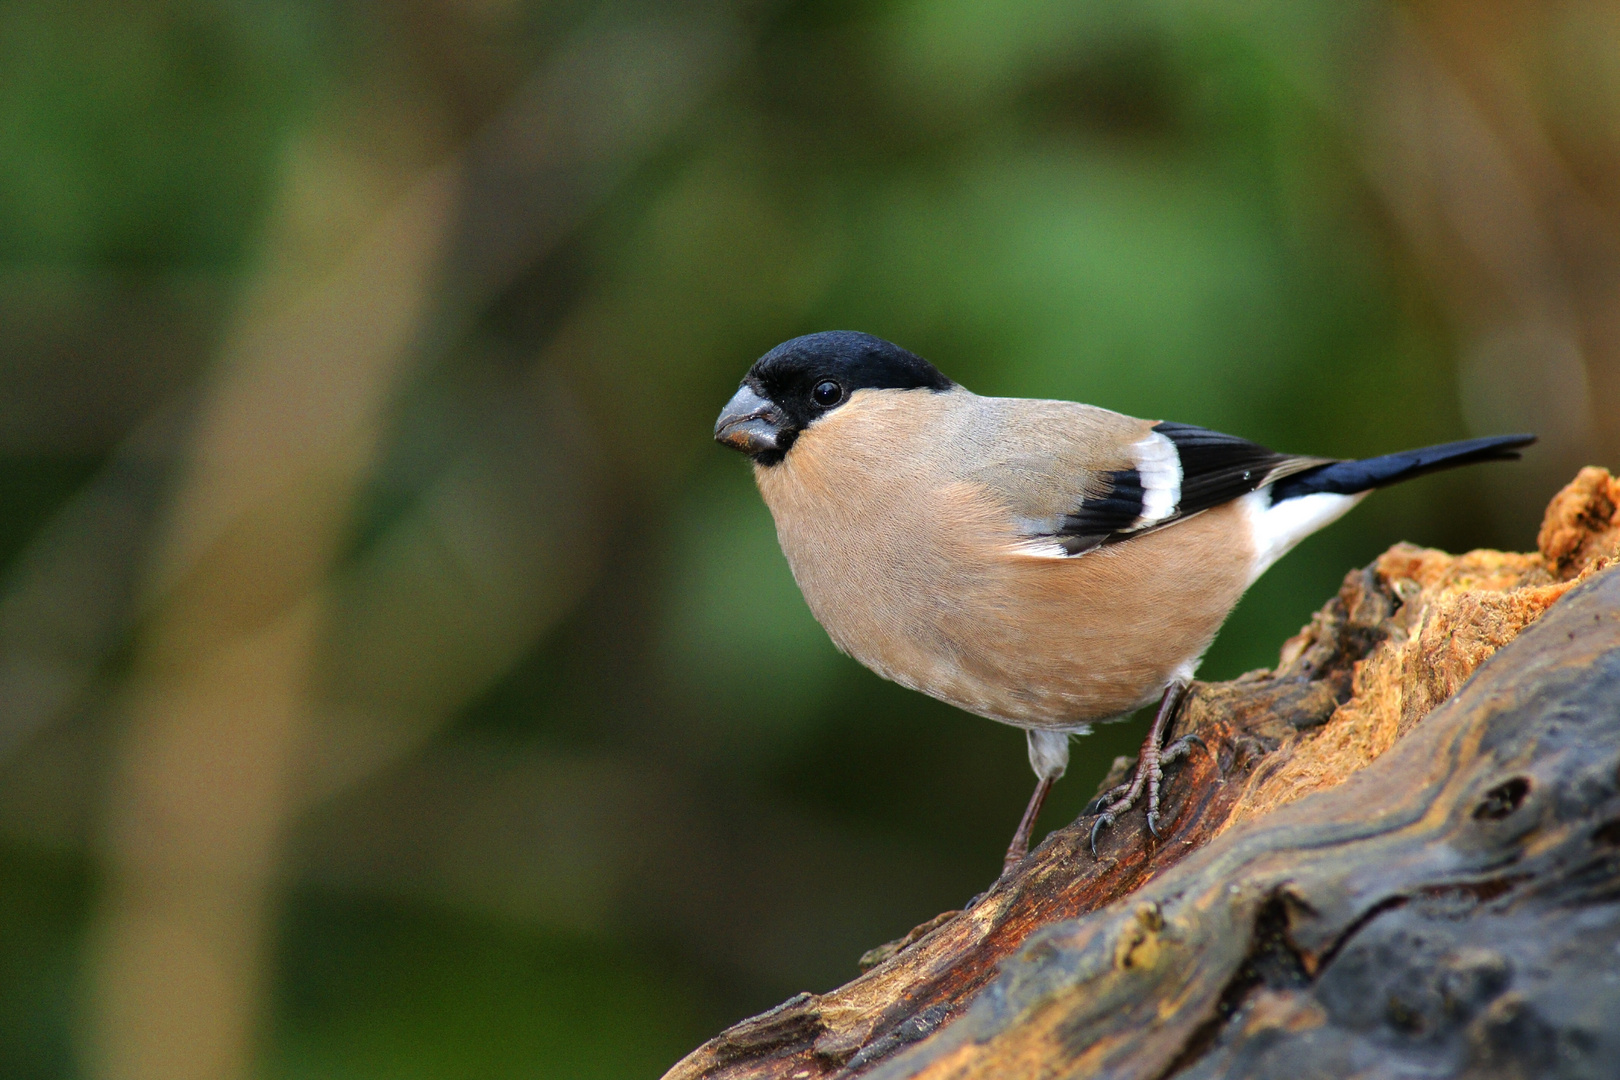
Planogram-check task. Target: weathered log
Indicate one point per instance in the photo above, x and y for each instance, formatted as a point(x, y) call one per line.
point(1353, 882)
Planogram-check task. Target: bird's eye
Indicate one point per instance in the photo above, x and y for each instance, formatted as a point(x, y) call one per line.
point(827, 394)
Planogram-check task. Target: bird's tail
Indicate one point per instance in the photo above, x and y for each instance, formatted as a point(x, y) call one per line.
point(1351, 477)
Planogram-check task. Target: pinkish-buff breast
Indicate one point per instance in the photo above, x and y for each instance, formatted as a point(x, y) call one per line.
point(917, 574)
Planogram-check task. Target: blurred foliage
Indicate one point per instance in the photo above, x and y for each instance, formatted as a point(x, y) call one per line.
point(144, 137)
point(374, 990)
point(618, 787)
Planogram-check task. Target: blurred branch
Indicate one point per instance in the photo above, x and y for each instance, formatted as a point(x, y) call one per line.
point(616, 91)
point(508, 537)
point(218, 701)
point(225, 686)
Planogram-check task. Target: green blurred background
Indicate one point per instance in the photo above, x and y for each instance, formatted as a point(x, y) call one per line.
point(395, 680)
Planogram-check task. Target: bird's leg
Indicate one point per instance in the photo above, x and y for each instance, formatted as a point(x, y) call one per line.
point(1026, 827)
point(1049, 757)
point(1149, 767)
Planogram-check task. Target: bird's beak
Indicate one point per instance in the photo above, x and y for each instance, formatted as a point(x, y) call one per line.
point(752, 424)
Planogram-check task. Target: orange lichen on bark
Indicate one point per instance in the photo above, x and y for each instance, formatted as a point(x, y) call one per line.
point(1457, 611)
point(1582, 523)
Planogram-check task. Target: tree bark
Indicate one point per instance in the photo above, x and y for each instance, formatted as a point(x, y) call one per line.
point(1377, 870)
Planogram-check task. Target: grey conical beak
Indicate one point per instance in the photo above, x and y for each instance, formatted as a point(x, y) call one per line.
point(753, 424)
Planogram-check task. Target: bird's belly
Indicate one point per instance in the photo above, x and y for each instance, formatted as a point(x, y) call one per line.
point(938, 599)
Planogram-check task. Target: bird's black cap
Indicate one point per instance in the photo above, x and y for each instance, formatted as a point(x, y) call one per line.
point(855, 360)
point(795, 376)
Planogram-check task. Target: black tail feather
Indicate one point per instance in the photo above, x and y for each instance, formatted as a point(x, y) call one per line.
point(1350, 477)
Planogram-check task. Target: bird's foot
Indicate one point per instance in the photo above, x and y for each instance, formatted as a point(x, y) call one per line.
point(1149, 770)
point(1107, 798)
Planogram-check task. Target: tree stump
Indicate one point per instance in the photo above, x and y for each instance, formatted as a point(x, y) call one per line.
point(1388, 864)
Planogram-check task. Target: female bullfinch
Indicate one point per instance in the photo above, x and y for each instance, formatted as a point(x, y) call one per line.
point(1047, 564)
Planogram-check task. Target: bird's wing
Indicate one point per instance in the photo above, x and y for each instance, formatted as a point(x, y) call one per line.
point(1080, 477)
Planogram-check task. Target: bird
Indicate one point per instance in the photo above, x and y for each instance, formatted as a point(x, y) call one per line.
point(1046, 564)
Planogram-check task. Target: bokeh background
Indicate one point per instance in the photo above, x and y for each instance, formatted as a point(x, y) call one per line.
point(395, 681)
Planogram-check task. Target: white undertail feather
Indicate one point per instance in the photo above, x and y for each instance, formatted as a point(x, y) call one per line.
point(1277, 528)
point(1049, 751)
point(1158, 463)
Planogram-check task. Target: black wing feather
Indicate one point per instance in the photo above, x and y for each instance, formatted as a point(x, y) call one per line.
point(1217, 468)
point(1097, 519)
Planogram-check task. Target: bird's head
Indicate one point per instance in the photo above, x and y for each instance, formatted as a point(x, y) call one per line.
point(800, 381)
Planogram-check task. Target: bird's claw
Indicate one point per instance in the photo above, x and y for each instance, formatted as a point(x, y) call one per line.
point(1110, 808)
point(1103, 820)
point(1181, 747)
point(1107, 798)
